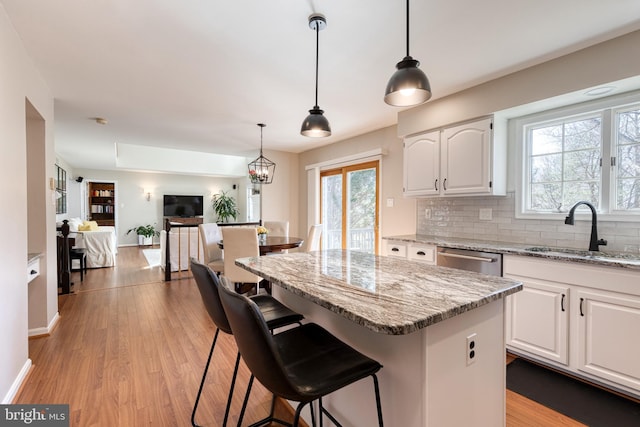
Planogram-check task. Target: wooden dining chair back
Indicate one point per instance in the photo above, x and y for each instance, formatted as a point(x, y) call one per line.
point(240, 242)
point(210, 235)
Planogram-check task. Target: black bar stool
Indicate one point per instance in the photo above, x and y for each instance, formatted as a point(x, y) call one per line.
point(81, 256)
point(301, 364)
point(276, 314)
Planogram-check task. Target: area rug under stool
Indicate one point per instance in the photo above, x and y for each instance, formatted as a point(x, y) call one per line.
point(152, 256)
point(582, 402)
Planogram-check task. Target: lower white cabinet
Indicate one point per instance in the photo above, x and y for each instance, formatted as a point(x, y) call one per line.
point(412, 251)
point(608, 335)
point(539, 319)
point(580, 318)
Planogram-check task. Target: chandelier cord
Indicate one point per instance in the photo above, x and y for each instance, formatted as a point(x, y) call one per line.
point(317, 59)
point(407, 27)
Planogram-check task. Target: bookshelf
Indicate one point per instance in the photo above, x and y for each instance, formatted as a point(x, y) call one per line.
point(102, 203)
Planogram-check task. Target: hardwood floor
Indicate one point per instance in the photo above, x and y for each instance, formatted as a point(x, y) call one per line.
point(129, 350)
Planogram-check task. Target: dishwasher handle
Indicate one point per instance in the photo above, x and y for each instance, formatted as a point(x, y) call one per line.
point(470, 257)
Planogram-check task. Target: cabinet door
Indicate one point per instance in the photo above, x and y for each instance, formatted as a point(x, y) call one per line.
point(422, 253)
point(466, 158)
point(537, 319)
point(422, 164)
point(608, 332)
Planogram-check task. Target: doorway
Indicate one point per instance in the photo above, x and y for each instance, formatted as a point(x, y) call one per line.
point(349, 205)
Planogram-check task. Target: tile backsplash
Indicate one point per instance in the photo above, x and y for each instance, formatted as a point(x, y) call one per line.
point(459, 217)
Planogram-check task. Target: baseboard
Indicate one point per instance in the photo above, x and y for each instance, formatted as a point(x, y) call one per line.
point(15, 387)
point(38, 332)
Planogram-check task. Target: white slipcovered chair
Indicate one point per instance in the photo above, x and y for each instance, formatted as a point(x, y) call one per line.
point(240, 242)
point(210, 235)
point(312, 242)
point(277, 228)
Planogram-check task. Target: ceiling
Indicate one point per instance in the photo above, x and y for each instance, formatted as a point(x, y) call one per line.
point(199, 75)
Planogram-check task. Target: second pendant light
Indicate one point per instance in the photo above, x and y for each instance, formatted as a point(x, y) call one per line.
point(316, 124)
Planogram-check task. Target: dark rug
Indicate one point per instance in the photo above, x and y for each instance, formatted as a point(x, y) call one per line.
point(585, 403)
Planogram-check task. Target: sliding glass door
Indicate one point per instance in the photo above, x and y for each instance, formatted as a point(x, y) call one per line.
point(349, 207)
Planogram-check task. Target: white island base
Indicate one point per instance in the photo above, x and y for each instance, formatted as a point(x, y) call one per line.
point(426, 379)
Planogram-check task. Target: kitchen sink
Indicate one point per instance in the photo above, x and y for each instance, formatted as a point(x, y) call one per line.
point(583, 253)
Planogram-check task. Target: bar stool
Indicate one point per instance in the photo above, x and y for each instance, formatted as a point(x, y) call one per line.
point(276, 314)
point(81, 256)
point(301, 364)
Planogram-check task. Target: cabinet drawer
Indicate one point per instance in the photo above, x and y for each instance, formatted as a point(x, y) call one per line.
point(396, 249)
point(424, 253)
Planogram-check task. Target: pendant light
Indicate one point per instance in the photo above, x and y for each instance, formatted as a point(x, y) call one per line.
point(261, 170)
point(316, 124)
point(409, 85)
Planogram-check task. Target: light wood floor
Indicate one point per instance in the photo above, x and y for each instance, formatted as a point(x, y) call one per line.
point(129, 350)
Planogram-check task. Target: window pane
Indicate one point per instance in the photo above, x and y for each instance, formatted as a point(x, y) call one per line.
point(332, 212)
point(546, 197)
point(581, 165)
point(546, 140)
point(582, 134)
point(546, 168)
point(578, 191)
point(361, 211)
point(628, 160)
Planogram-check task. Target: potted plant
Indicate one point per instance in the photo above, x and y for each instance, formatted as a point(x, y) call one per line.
point(224, 206)
point(145, 234)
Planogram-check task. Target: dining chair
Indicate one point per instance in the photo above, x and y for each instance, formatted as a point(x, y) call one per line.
point(277, 228)
point(301, 364)
point(240, 242)
point(213, 256)
point(312, 243)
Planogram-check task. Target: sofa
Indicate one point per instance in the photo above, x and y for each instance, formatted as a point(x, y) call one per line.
point(99, 242)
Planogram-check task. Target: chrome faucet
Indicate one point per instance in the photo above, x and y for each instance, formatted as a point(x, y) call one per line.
point(594, 243)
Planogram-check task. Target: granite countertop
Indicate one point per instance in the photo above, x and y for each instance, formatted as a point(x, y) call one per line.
point(604, 258)
point(384, 294)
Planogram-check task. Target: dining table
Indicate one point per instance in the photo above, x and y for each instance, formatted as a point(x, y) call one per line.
point(274, 243)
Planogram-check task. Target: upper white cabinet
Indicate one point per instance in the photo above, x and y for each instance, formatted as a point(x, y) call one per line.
point(455, 161)
point(422, 164)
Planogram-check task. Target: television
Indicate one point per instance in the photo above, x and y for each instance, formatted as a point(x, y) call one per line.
point(182, 206)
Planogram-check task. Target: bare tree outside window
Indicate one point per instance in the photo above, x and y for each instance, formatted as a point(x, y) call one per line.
point(628, 160)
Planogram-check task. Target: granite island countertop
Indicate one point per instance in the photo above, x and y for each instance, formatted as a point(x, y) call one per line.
point(384, 294)
point(603, 258)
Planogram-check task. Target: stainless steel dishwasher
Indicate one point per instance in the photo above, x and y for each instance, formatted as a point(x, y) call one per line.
point(464, 259)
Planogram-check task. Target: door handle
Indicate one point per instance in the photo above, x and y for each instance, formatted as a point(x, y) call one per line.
point(395, 250)
point(420, 253)
point(562, 303)
point(581, 312)
point(473, 258)
point(436, 184)
point(444, 184)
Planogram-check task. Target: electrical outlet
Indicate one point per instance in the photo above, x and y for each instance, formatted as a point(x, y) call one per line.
point(427, 213)
point(472, 348)
point(486, 214)
point(390, 202)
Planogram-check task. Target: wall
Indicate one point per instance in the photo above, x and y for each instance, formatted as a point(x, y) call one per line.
point(21, 85)
point(399, 219)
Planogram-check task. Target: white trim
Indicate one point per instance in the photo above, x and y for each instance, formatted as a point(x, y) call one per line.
point(17, 383)
point(47, 330)
point(347, 160)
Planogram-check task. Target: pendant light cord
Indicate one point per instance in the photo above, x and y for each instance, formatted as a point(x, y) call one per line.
point(317, 56)
point(407, 27)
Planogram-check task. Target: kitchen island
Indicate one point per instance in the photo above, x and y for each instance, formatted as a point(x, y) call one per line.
point(417, 320)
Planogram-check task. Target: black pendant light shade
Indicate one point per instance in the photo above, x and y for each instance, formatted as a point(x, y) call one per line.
point(261, 170)
point(408, 85)
point(316, 124)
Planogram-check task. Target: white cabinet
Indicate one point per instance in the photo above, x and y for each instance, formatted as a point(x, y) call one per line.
point(608, 332)
point(538, 321)
point(421, 158)
point(580, 318)
point(412, 251)
point(455, 161)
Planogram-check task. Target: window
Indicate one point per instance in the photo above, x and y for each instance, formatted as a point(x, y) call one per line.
point(61, 190)
point(589, 152)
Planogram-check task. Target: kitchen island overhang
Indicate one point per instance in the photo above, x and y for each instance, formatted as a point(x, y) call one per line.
point(416, 320)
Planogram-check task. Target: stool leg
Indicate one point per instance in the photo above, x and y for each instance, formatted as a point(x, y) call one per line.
point(82, 264)
point(378, 404)
point(204, 377)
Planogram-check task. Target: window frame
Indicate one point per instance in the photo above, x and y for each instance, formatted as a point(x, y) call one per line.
point(607, 109)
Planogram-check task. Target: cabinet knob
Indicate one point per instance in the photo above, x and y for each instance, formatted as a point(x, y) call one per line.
point(32, 272)
point(395, 250)
point(420, 253)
